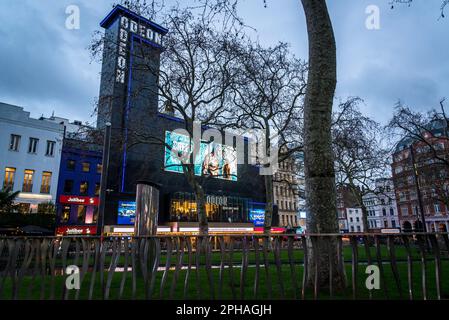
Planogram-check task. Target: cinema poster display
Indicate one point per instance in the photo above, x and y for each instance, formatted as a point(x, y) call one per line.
point(126, 212)
point(213, 159)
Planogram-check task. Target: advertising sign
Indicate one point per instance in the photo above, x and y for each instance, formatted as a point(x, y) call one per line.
point(87, 201)
point(126, 212)
point(213, 159)
point(257, 217)
point(76, 230)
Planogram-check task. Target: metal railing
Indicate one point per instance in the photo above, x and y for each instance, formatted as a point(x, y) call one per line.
point(406, 266)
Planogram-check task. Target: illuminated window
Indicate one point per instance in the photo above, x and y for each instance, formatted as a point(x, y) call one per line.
point(86, 166)
point(65, 214)
point(81, 214)
point(28, 181)
point(8, 183)
point(97, 189)
point(99, 167)
point(46, 180)
point(14, 142)
point(50, 151)
point(84, 186)
point(32, 146)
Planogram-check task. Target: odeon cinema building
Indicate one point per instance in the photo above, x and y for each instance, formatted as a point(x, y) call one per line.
point(235, 199)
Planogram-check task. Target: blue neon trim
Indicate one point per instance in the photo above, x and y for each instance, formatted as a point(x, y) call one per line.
point(128, 105)
point(153, 44)
point(112, 16)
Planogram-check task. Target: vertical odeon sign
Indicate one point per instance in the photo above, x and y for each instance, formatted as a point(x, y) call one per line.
point(128, 26)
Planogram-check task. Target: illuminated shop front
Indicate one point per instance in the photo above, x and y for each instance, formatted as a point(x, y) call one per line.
point(224, 214)
point(218, 208)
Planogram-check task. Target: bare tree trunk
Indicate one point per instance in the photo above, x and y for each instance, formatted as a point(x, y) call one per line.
point(269, 204)
point(318, 157)
point(364, 217)
point(201, 207)
point(200, 197)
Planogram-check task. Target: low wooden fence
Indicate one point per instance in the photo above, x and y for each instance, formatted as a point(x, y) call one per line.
point(374, 266)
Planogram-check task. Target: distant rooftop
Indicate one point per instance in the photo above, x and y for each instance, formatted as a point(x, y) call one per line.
point(435, 127)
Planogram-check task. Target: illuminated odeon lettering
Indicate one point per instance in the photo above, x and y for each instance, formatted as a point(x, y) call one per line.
point(127, 25)
point(218, 200)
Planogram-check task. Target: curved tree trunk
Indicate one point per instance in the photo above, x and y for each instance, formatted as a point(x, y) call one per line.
point(364, 217)
point(201, 207)
point(200, 198)
point(318, 157)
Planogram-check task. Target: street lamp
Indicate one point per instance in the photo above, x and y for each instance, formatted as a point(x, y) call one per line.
point(104, 177)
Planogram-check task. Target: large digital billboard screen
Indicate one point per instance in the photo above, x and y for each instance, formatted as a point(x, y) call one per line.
point(126, 212)
point(257, 217)
point(213, 159)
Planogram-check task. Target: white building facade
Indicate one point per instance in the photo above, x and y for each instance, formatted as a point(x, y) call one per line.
point(381, 206)
point(30, 157)
point(354, 218)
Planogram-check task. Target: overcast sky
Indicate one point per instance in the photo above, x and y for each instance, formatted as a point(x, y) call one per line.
point(45, 67)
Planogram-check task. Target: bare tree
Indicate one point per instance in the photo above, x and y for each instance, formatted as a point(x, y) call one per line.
point(361, 157)
point(428, 134)
point(318, 157)
point(268, 97)
point(444, 4)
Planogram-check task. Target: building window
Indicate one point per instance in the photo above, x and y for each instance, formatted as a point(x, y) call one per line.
point(81, 214)
point(46, 180)
point(437, 207)
point(71, 165)
point(358, 229)
point(14, 142)
point(50, 151)
point(404, 211)
point(84, 186)
point(393, 223)
point(86, 166)
point(28, 181)
point(68, 186)
point(97, 189)
point(8, 183)
point(99, 167)
point(65, 214)
point(386, 224)
point(384, 211)
point(32, 146)
point(352, 228)
point(391, 212)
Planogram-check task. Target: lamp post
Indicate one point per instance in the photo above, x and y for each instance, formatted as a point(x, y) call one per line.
point(104, 178)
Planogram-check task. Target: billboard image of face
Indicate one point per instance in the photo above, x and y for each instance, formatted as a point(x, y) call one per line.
point(213, 159)
point(126, 212)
